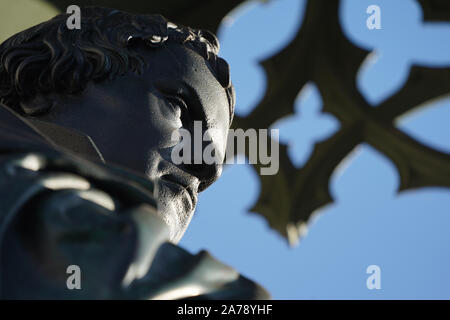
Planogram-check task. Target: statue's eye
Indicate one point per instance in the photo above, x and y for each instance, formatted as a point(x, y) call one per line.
point(180, 108)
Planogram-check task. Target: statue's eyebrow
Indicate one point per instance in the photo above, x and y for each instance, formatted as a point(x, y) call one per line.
point(181, 67)
point(179, 88)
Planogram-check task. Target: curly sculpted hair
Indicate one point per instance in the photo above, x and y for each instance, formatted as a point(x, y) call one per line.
point(51, 58)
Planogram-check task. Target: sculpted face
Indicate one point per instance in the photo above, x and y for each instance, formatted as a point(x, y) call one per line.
point(131, 120)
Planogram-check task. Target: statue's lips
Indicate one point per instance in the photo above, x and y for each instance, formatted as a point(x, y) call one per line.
point(179, 187)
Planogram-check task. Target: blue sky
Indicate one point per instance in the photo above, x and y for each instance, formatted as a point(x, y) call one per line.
point(369, 223)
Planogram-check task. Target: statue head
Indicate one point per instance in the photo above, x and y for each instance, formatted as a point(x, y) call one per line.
point(127, 81)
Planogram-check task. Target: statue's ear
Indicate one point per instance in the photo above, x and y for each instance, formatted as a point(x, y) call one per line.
point(37, 105)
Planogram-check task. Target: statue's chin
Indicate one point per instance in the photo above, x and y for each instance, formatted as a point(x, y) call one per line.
point(176, 208)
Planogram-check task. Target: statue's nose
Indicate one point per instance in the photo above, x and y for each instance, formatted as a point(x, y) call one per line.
point(201, 157)
point(204, 170)
point(206, 173)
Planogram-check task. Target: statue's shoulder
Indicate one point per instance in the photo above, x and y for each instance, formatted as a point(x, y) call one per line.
point(178, 274)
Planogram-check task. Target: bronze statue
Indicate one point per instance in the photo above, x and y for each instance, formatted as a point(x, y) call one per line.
point(86, 173)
